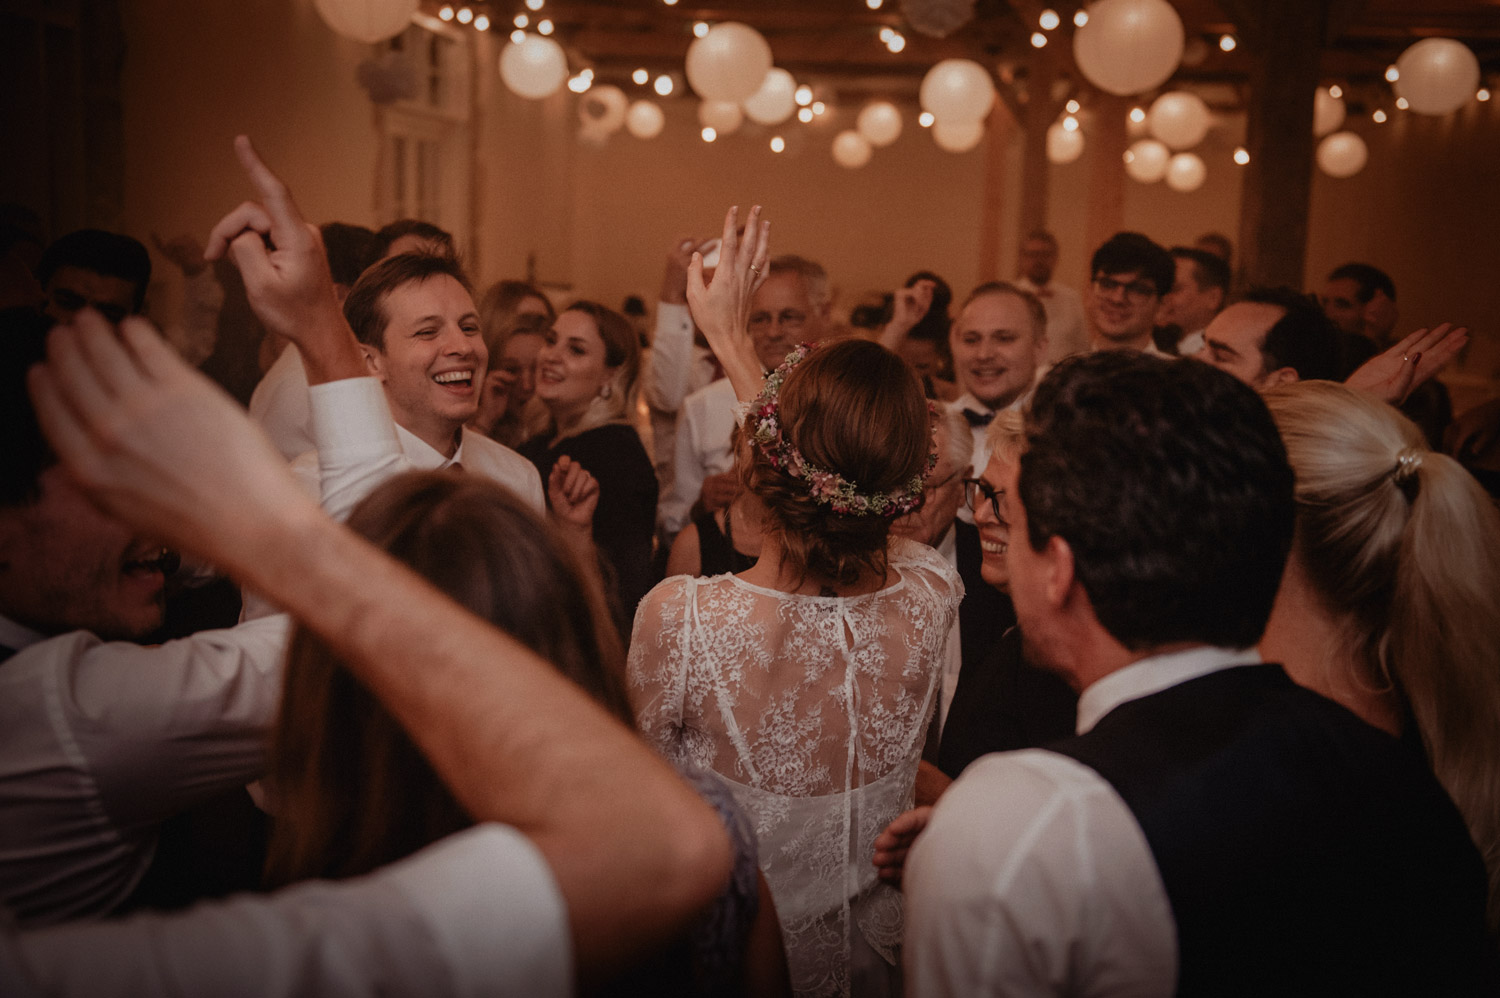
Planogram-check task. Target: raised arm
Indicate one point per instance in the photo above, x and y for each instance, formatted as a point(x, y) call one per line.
point(722, 307)
point(908, 307)
point(281, 258)
point(635, 852)
point(1391, 376)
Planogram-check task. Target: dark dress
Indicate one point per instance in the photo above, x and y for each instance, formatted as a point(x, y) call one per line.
point(716, 551)
point(625, 520)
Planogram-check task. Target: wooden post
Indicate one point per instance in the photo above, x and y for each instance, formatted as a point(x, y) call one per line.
point(997, 133)
point(1106, 152)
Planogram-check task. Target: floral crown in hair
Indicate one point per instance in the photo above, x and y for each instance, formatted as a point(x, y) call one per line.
point(827, 488)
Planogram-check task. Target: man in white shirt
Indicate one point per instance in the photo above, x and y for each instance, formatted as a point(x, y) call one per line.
point(999, 343)
point(1129, 276)
point(790, 307)
point(1214, 828)
point(1066, 334)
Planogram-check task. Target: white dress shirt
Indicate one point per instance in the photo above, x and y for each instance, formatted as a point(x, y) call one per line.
point(671, 370)
point(100, 742)
point(1033, 877)
point(280, 404)
point(478, 913)
point(1066, 332)
point(704, 425)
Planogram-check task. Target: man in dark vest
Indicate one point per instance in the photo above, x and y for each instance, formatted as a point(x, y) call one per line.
point(1213, 829)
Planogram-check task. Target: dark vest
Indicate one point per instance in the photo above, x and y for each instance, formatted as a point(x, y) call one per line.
point(1303, 851)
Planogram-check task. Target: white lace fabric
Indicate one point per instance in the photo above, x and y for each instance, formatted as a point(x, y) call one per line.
point(814, 709)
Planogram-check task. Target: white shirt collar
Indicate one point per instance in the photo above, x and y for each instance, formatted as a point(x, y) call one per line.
point(947, 545)
point(17, 636)
point(1154, 674)
point(423, 456)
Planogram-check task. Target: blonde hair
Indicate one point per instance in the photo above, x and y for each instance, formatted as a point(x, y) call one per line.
point(1006, 435)
point(1403, 546)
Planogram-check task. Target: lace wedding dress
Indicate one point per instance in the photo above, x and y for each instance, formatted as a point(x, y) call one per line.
point(813, 709)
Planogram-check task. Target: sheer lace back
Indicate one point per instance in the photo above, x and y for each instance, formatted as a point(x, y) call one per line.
point(814, 709)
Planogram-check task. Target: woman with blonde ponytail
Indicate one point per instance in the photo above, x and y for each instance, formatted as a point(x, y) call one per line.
point(1391, 600)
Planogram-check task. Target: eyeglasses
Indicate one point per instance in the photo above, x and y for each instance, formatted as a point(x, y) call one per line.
point(977, 491)
point(789, 319)
point(1136, 291)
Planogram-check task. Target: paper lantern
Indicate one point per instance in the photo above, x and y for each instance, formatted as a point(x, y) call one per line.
point(1146, 161)
point(879, 122)
point(1438, 75)
point(534, 68)
point(644, 120)
point(367, 21)
point(1129, 46)
point(1328, 113)
point(1342, 154)
point(1186, 172)
point(957, 136)
point(729, 63)
point(1063, 146)
point(722, 116)
point(850, 149)
point(775, 101)
point(1180, 119)
point(602, 109)
point(937, 18)
point(958, 91)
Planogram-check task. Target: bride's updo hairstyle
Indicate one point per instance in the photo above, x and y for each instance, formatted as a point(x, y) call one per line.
point(1402, 545)
point(855, 409)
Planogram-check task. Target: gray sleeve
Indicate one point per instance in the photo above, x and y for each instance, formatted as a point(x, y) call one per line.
point(476, 914)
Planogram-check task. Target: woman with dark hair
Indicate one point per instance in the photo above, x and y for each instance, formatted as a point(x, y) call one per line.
point(586, 378)
point(351, 791)
point(514, 318)
point(806, 681)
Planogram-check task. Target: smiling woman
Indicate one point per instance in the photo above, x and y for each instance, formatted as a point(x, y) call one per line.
point(585, 376)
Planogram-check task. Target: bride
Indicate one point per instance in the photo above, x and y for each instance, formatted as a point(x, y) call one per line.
point(807, 680)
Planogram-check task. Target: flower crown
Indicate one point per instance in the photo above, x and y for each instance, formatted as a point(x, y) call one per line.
point(827, 488)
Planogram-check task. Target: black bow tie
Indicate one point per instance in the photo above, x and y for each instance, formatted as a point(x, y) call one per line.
point(978, 418)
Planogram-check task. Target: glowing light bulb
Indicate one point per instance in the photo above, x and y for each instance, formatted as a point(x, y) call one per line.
point(1379, 116)
point(1080, 18)
point(1241, 155)
point(925, 119)
point(670, 3)
point(1070, 124)
point(803, 96)
point(897, 42)
point(873, 5)
point(482, 23)
point(1129, 157)
point(778, 144)
point(1049, 20)
point(700, 28)
point(1335, 91)
point(1038, 40)
point(640, 77)
point(465, 15)
point(804, 115)
point(587, 74)
point(1137, 114)
point(1227, 43)
point(579, 84)
point(1392, 74)
point(1073, 106)
point(544, 26)
point(518, 36)
point(534, 4)
point(885, 34)
point(663, 86)
point(709, 134)
point(446, 12)
point(522, 20)
point(1402, 103)
point(1482, 95)
point(818, 107)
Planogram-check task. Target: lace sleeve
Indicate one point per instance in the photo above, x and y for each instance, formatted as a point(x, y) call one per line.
point(656, 670)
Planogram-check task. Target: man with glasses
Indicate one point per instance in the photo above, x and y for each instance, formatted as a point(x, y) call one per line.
point(790, 307)
point(1131, 274)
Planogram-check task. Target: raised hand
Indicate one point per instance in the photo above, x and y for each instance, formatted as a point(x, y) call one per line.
point(722, 308)
point(281, 258)
point(573, 494)
point(157, 444)
point(674, 280)
point(1392, 375)
point(908, 307)
point(892, 845)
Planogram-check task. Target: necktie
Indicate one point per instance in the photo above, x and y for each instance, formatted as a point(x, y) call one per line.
point(978, 418)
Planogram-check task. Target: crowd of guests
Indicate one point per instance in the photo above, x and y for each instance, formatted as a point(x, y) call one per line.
point(1131, 641)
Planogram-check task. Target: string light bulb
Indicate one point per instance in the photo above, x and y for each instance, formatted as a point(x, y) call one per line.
point(1336, 91)
point(778, 144)
point(818, 107)
point(1080, 17)
point(663, 86)
point(1483, 94)
point(465, 15)
point(518, 36)
point(1241, 155)
point(522, 20)
point(1402, 103)
point(896, 42)
point(804, 114)
point(926, 118)
point(482, 23)
point(1049, 20)
point(445, 12)
point(1228, 43)
point(1137, 115)
point(803, 96)
point(1392, 74)
point(1038, 40)
point(1073, 106)
point(580, 84)
point(534, 4)
point(709, 134)
point(1379, 116)
point(1070, 124)
point(700, 29)
point(544, 26)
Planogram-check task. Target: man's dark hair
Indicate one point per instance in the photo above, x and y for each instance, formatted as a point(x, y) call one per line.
point(365, 306)
point(1367, 278)
point(107, 253)
point(1209, 271)
point(1304, 339)
point(1170, 484)
point(351, 249)
point(24, 452)
point(1133, 253)
point(413, 227)
point(1221, 246)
